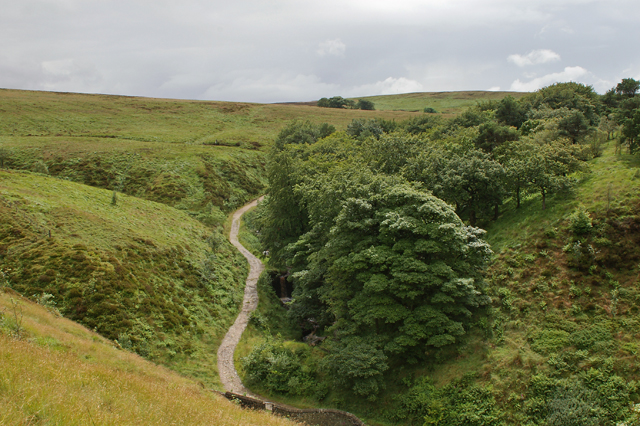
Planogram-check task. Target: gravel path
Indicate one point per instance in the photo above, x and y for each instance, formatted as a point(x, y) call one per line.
point(228, 374)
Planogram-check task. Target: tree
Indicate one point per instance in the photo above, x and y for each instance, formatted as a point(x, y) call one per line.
point(365, 105)
point(402, 269)
point(511, 112)
point(302, 132)
point(361, 129)
point(574, 126)
point(631, 130)
point(336, 102)
point(628, 87)
point(469, 179)
point(492, 135)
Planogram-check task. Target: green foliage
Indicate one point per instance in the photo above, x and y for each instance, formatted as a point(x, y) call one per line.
point(594, 397)
point(418, 125)
point(365, 105)
point(429, 110)
point(339, 102)
point(162, 286)
point(628, 87)
point(302, 132)
point(461, 402)
point(468, 179)
point(511, 112)
point(595, 338)
point(358, 365)
point(574, 126)
point(580, 221)
point(491, 136)
point(279, 369)
point(362, 129)
point(549, 340)
point(388, 259)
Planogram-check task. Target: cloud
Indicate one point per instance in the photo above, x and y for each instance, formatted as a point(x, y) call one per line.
point(541, 56)
point(494, 89)
point(332, 47)
point(270, 88)
point(569, 74)
point(389, 86)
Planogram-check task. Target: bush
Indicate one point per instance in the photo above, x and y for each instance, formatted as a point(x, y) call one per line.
point(358, 365)
point(547, 341)
point(595, 338)
point(278, 369)
point(580, 221)
point(595, 397)
point(461, 402)
point(365, 105)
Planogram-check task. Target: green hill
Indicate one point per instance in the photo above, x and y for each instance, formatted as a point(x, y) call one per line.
point(112, 212)
point(443, 102)
point(147, 275)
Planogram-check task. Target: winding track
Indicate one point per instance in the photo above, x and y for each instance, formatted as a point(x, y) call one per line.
point(228, 374)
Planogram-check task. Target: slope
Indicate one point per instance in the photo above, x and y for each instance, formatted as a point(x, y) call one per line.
point(150, 276)
point(56, 372)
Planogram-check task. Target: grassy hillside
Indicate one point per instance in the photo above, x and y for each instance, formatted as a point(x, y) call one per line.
point(442, 102)
point(56, 372)
point(161, 283)
point(64, 115)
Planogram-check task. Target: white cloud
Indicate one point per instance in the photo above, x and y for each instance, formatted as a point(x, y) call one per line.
point(494, 89)
point(569, 74)
point(332, 47)
point(389, 86)
point(541, 56)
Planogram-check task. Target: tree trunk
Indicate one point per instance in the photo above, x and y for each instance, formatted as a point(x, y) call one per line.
point(544, 199)
point(496, 211)
point(472, 217)
point(518, 198)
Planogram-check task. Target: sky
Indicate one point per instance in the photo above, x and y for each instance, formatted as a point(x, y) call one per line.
point(301, 50)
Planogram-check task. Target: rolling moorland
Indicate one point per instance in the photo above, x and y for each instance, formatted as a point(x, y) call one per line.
point(113, 214)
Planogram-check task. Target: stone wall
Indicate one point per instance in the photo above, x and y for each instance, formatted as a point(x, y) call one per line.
point(312, 417)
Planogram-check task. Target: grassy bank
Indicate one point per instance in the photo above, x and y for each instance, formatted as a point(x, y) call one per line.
point(56, 372)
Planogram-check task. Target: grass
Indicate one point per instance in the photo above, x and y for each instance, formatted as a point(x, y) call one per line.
point(64, 116)
point(141, 272)
point(60, 373)
point(443, 102)
point(612, 183)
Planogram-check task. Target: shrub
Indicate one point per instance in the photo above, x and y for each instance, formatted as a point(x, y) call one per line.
point(547, 341)
point(278, 369)
point(595, 338)
point(358, 365)
point(461, 402)
point(580, 221)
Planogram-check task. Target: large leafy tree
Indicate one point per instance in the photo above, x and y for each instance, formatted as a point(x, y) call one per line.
point(416, 271)
point(628, 87)
point(401, 268)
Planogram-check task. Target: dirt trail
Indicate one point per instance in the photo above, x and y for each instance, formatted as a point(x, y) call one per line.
point(228, 374)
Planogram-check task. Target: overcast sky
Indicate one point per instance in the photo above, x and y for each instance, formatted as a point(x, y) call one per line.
point(299, 50)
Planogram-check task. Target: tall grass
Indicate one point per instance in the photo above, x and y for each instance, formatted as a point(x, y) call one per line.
point(60, 373)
